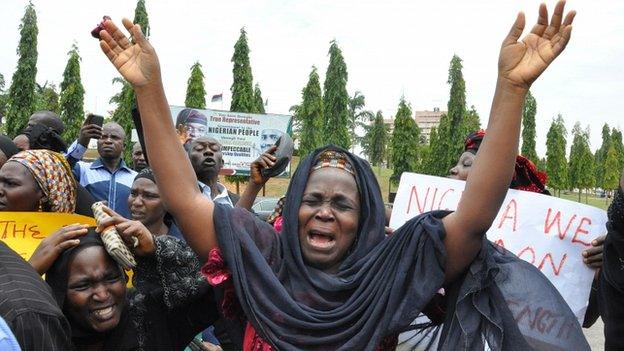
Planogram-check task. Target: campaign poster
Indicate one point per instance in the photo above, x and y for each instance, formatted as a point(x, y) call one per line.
point(243, 136)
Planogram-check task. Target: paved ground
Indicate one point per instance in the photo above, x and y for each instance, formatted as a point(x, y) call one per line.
point(595, 336)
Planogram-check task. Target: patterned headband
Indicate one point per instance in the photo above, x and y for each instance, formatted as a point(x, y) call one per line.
point(334, 159)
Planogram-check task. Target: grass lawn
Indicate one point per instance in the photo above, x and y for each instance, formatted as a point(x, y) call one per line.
point(277, 187)
point(592, 200)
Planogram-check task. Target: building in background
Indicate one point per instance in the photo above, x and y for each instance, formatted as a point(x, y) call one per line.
point(428, 120)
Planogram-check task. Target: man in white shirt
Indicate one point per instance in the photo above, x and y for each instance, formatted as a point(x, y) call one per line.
point(207, 160)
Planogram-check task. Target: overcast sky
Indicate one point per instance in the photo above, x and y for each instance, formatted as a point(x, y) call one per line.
point(391, 47)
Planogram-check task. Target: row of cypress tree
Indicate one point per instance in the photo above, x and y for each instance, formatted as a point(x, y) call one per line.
point(580, 168)
point(25, 96)
point(327, 116)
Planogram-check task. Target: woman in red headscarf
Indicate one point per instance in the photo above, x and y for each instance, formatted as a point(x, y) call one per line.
point(526, 175)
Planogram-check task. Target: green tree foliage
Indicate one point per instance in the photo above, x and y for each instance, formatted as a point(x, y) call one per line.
point(528, 128)
point(473, 121)
point(612, 169)
point(448, 144)
point(405, 142)
point(4, 98)
point(541, 164)
point(358, 117)
point(125, 100)
point(258, 101)
point(242, 86)
point(556, 163)
point(336, 100)
point(47, 98)
point(72, 96)
point(141, 18)
point(21, 100)
point(581, 164)
point(601, 155)
point(375, 140)
point(195, 91)
point(425, 150)
point(309, 115)
point(616, 139)
point(426, 164)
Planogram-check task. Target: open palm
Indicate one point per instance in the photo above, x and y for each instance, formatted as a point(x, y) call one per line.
point(137, 62)
point(521, 62)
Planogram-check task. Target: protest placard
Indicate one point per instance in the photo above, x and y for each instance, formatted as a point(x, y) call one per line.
point(546, 231)
point(243, 136)
point(23, 231)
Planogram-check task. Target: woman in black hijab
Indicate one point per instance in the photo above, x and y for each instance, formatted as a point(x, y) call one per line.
point(332, 280)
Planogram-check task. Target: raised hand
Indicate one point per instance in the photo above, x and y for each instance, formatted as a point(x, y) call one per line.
point(137, 62)
point(266, 160)
point(51, 247)
point(89, 131)
point(521, 62)
point(131, 232)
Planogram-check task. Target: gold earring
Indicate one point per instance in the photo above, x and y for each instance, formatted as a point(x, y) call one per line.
point(42, 201)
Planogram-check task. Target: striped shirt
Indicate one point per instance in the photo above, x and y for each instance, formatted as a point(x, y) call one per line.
point(28, 307)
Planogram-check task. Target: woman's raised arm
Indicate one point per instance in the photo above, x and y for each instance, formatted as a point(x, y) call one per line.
point(520, 64)
point(138, 64)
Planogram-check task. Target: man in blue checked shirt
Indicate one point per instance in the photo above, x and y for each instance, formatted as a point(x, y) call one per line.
point(107, 178)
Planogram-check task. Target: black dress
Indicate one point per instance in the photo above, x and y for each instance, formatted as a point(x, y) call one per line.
point(612, 277)
point(170, 308)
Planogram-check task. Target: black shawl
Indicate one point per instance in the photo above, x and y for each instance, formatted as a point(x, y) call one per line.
point(382, 285)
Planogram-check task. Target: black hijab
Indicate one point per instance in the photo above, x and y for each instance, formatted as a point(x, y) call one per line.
point(57, 278)
point(381, 286)
point(148, 174)
point(383, 283)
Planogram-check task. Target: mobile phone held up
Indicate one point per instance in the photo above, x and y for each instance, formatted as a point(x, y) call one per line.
point(95, 119)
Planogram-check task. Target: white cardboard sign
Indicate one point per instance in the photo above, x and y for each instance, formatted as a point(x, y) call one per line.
point(546, 231)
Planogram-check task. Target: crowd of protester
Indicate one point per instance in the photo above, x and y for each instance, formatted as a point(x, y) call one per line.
point(323, 272)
